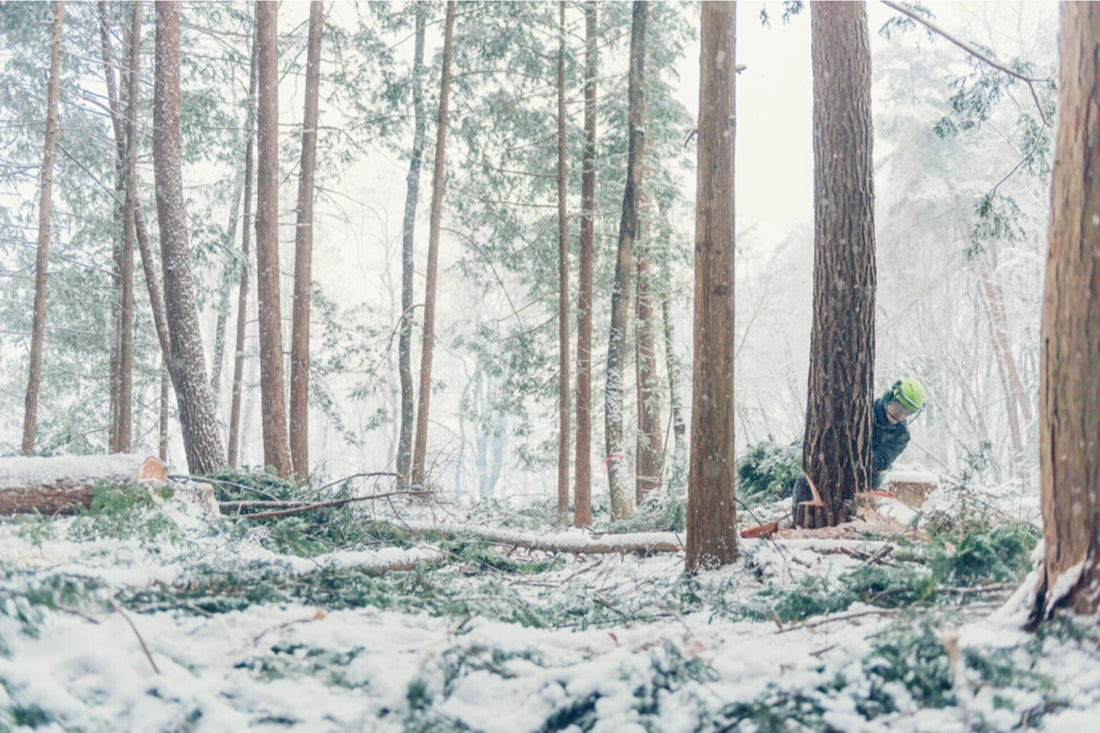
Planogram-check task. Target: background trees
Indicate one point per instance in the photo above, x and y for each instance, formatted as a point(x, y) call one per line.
point(948, 133)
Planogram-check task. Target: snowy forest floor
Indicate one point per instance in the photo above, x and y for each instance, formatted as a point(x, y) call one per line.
point(151, 614)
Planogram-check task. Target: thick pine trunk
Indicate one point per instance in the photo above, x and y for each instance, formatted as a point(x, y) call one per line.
point(408, 228)
point(837, 446)
point(582, 492)
point(303, 255)
point(563, 289)
point(272, 384)
point(420, 447)
point(712, 516)
point(622, 504)
point(45, 187)
point(200, 428)
point(1070, 377)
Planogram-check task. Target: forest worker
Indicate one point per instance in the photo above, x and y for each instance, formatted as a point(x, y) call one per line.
point(893, 412)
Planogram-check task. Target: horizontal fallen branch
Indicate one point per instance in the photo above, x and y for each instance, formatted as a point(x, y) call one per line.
point(288, 508)
point(565, 542)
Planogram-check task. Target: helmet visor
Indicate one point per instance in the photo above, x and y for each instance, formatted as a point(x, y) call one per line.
point(898, 412)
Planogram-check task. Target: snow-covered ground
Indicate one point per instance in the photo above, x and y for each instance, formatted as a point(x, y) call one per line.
point(91, 640)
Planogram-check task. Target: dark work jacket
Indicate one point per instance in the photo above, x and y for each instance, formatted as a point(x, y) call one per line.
point(888, 440)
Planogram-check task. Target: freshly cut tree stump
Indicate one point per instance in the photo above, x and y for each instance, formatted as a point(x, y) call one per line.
point(63, 484)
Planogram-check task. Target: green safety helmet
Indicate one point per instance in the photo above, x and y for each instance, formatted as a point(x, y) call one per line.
point(909, 393)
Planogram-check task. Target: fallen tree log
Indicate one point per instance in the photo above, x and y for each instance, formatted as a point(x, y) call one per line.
point(63, 484)
point(563, 542)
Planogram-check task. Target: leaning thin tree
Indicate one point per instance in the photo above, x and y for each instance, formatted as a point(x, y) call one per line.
point(836, 450)
point(712, 517)
point(1069, 395)
point(38, 322)
point(420, 446)
point(201, 440)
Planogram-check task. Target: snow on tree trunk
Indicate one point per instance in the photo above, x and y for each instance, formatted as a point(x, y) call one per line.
point(1070, 389)
point(712, 516)
point(201, 440)
point(45, 187)
point(837, 445)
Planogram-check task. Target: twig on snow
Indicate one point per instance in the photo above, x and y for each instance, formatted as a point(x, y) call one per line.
point(136, 633)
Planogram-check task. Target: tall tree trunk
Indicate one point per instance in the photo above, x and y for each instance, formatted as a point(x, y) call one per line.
point(1069, 577)
point(563, 289)
point(242, 292)
point(672, 365)
point(197, 418)
point(712, 516)
point(1016, 404)
point(124, 433)
point(114, 107)
point(276, 442)
point(303, 254)
point(615, 443)
point(421, 445)
point(229, 274)
point(45, 187)
point(408, 227)
point(125, 130)
point(836, 453)
point(649, 452)
point(582, 491)
point(162, 428)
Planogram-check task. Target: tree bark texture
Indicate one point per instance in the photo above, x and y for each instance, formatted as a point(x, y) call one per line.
point(408, 229)
point(420, 447)
point(582, 491)
point(836, 451)
point(242, 292)
point(649, 451)
point(712, 516)
point(614, 440)
point(45, 188)
point(303, 254)
point(563, 288)
point(1069, 395)
point(272, 384)
point(188, 369)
